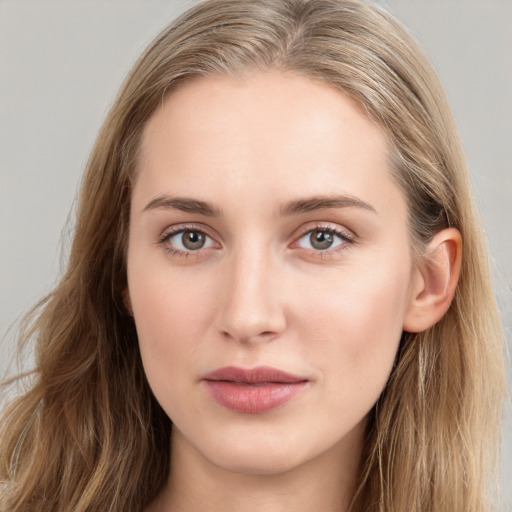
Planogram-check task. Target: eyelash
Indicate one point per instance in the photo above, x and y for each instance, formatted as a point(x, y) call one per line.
point(347, 240)
point(173, 251)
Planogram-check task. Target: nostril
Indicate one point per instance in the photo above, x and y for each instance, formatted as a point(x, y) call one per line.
point(247, 337)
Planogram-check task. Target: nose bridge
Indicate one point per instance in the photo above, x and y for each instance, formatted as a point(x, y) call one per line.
point(252, 307)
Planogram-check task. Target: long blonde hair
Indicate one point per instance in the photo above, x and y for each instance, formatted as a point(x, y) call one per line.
point(89, 436)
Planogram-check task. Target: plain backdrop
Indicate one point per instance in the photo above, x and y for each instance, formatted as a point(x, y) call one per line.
point(61, 63)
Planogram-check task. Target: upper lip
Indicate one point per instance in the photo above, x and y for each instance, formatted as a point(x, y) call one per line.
point(258, 375)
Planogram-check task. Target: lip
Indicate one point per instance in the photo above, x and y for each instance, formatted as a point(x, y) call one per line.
point(254, 390)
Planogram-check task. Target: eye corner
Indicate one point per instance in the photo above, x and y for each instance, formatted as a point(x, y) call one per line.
point(202, 240)
point(331, 239)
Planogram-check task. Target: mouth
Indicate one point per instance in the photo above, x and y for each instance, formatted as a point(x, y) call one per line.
point(255, 390)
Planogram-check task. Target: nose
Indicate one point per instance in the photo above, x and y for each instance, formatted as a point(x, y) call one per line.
point(252, 303)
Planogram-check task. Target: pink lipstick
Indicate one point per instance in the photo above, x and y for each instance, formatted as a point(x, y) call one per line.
point(254, 390)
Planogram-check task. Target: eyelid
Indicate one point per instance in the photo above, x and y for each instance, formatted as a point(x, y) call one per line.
point(174, 230)
point(327, 226)
point(348, 237)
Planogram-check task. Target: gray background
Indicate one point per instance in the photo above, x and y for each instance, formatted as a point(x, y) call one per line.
point(61, 63)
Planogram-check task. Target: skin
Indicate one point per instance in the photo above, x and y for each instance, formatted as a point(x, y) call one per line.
point(259, 293)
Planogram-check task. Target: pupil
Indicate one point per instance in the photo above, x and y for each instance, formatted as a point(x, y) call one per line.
point(193, 240)
point(321, 239)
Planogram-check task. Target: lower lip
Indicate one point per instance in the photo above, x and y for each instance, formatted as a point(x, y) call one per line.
point(253, 398)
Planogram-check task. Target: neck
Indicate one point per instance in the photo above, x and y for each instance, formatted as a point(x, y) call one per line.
point(325, 483)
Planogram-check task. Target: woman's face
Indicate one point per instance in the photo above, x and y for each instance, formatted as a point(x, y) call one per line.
point(269, 268)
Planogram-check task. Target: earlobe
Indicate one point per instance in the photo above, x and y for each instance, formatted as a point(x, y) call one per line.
point(435, 281)
point(127, 301)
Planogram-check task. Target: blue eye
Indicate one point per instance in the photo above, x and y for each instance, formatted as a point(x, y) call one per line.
point(322, 239)
point(188, 240)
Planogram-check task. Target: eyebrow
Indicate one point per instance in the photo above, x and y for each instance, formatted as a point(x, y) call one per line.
point(320, 202)
point(184, 204)
point(190, 205)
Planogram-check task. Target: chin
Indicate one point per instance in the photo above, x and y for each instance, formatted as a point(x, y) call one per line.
point(260, 451)
point(254, 461)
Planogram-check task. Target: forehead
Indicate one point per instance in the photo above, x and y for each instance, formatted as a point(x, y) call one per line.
point(279, 132)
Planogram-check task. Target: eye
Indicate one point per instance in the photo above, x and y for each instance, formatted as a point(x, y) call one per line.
point(187, 240)
point(322, 239)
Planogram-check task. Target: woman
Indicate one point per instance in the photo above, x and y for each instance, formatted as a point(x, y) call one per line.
point(277, 296)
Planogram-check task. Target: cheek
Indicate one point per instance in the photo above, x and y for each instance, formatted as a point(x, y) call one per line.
point(170, 315)
point(356, 331)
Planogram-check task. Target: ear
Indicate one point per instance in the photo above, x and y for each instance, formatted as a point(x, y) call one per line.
point(435, 279)
point(127, 301)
